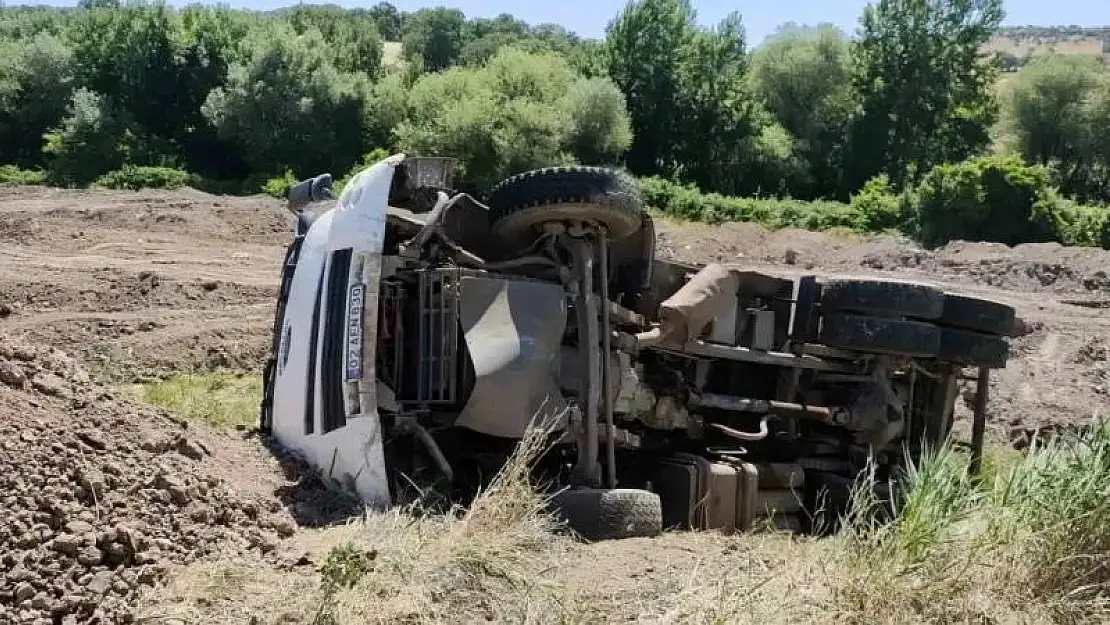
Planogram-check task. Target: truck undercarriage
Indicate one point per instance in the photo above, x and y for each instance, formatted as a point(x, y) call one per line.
point(677, 395)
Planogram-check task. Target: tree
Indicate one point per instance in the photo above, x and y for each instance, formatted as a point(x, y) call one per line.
point(1050, 118)
point(924, 86)
point(434, 37)
point(36, 86)
point(288, 107)
point(352, 36)
point(90, 142)
point(600, 130)
point(521, 111)
point(720, 146)
point(644, 51)
point(802, 75)
point(388, 20)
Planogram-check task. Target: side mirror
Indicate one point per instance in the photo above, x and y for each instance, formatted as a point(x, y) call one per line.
point(308, 191)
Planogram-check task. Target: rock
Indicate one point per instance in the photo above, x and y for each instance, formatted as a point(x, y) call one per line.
point(79, 527)
point(20, 573)
point(93, 439)
point(94, 481)
point(50, 384)
point(173, 486)
point(24, 591)
point(67, 543)
point(790, 257)
point(100, 582)
point(192, 449)
point(40, 601)
point(12, 375)
point(90, 556)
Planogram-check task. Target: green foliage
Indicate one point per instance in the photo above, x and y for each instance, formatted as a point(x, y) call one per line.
point(881, 208)
point(11, 174)
point(924, 86)
point(512, 115)
point(433, 37)
point(644, 50)
point(245, 98)
point(135, 178)
point(1055, 114)
point(88, 142)
point(989, 198)
point(1035, 523)
point(803, 77)
point(279, 187)
point(1082, 225)
point(687, 202)
point(352, 37)
point(36, 84)
point(288, 107)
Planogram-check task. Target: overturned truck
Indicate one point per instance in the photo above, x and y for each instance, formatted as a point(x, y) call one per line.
point(420, 332)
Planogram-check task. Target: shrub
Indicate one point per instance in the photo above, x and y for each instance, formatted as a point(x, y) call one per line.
point(880, 208)
point(990, 198)
point(1082, 225)
point(687, 202)
point(135, 178)
point(278, 187)
point(10, 174)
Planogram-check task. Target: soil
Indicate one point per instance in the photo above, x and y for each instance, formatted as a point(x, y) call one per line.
point(101, 495)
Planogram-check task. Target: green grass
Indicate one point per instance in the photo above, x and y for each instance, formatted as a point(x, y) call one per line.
point(1031, 537)
point(221, 400)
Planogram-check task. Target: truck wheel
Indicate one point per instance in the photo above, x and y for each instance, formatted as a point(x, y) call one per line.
point(882, 297)
point(977, 315)
point(597, 514)
point(973, 348)
point(879, 335)
point(523, 203)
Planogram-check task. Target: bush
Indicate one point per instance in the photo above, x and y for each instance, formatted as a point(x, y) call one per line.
point(1081, 225)
point(687, 202)
point(135, 178)
point(990, 198)
point(10, 174)
point(279, 187)
point(880, 207)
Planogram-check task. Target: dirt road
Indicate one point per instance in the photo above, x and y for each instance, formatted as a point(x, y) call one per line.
point(100, 287)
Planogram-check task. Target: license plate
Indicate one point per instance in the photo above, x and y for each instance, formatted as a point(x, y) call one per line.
point(355, 302)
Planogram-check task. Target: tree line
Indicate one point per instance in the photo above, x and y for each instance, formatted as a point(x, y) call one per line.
point(239, 98)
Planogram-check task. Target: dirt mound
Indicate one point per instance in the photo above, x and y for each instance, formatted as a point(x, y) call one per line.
point(100, 495)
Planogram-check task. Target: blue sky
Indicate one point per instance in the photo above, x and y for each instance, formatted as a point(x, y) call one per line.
point(761, 17)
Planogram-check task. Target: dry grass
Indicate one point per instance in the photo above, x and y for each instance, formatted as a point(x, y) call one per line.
point(221, 400)
point(1028, 542)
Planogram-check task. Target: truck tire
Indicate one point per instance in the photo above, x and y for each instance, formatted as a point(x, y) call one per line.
point(881, 336)
point(521, 204)
point(597, 514)
point(973, 348)
point(978, 315)
point(883, 298)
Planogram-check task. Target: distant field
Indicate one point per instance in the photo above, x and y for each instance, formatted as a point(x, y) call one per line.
point(1030, 43)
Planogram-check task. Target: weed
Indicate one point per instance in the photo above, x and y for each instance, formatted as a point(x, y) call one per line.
point(218, 399)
